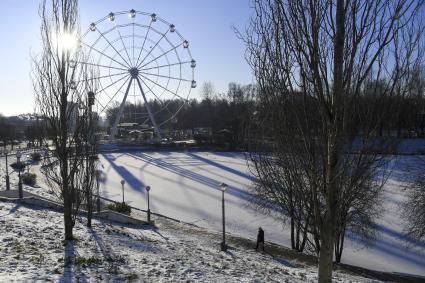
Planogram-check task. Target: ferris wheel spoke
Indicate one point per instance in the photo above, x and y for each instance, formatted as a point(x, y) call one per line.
point(111, 84)
point(102, 66)
point(163, 54)
point(164, 88)
point(167, 65)
point(123, 44)
point(133, 41)
point(115, 94)
point(113, 47)
point(105, 76)
point(144, 41)
point(150, 51)
point(98, 102)
point(160, 101)
point(107, 56)
point(167, 77)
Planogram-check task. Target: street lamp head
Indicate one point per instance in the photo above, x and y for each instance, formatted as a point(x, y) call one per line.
point(223, 187)
point(122, 182)
point(148, 188)
point(90, 96)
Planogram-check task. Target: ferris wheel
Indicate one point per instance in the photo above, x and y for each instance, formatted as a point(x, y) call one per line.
point(144, 68)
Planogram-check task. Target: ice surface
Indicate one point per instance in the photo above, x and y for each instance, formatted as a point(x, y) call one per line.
point(185, 186)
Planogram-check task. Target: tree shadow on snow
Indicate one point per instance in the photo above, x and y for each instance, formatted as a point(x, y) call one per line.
point(15, 208)
point(178, 170)
point(121, 237)
point(69, 254)
point(131, 180)
point(223, 167)
point(394, 249)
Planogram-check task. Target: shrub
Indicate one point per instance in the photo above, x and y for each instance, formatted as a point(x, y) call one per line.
point(18, 166)
point(29, 179)
point(35, 156)
point(120, 207)
point(79, 260)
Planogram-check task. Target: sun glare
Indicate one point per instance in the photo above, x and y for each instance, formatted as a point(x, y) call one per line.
point(65, 41)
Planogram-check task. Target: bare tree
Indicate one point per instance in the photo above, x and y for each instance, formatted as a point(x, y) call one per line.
point(414, 207)
point(207, 90)
point(90, 76)
point(316, 58)
point(58, 98)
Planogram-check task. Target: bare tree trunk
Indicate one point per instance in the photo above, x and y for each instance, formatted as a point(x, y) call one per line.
point(293, 246)
point(326, 252)
point(339, 243)
point(327, 233)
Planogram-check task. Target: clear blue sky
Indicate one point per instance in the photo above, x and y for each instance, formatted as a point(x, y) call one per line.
point(206, 23)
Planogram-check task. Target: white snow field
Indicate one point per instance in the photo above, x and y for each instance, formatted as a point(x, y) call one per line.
point(32, 250)
point(184, 185)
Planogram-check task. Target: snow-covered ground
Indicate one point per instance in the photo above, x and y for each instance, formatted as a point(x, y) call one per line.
point(32, 250)
point(185, 186)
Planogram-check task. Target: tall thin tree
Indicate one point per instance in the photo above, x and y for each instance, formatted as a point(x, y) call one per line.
point(56, 85)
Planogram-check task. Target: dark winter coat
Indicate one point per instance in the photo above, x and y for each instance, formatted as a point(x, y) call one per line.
point(260, 237)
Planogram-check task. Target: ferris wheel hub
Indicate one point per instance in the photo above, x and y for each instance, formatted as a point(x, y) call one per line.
point(134, 72)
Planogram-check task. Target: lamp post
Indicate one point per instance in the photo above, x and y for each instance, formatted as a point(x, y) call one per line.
point(223, 188)
point(148, 188)
point(122, 183)
point(7, 172)
point(18, 158)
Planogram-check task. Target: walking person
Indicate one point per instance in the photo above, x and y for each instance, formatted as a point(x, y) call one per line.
point(260, 239)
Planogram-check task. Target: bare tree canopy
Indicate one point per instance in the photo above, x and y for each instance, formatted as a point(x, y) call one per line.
point(59, 89)
point(327, 71)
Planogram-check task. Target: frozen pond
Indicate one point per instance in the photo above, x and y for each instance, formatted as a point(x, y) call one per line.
point(185, 186)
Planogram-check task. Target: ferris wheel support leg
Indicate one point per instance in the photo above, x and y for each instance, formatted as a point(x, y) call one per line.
point(119, 114)
point(152, 118)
